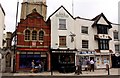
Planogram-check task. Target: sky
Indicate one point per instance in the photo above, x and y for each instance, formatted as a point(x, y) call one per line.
point(83, 8)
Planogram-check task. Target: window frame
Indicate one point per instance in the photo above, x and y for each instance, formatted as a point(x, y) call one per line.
point(84, 29)
point(115, 35)
point(62, 41)
point(41, 36)
point(103, 44)
point(27, 35)
point(34, 35)
point(62, 24)
point(102, 29)
point(85, 44)
point(117, 49)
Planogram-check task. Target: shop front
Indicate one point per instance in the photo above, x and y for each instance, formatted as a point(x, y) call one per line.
point(63, 61)
point(115, 60)
point(85, 57)
point(24, 59)
point(102, 59)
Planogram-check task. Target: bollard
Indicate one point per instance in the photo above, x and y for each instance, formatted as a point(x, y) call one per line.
point(107, 68)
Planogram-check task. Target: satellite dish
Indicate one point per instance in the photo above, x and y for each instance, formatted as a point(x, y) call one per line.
point(117, 54)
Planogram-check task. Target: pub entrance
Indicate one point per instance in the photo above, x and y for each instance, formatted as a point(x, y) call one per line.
point(63, 62)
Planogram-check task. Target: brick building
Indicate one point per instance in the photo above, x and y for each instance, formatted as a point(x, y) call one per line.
point(33, 41)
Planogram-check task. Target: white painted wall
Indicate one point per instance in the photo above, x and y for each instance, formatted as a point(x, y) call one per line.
point(80, 36)
point(113, 42)
point(74, 26)
point(2, 18)
point(55, 32)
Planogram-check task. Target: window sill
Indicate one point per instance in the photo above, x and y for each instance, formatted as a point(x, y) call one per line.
point(116, 39)
point(62, 29)
point(63, 46)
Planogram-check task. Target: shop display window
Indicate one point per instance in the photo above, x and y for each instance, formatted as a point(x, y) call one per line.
point(26, 59)
point(66, 59)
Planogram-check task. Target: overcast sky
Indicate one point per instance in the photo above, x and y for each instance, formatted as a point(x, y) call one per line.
point(82, 8)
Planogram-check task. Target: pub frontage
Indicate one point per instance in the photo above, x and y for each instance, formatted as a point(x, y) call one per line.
point(63, 60)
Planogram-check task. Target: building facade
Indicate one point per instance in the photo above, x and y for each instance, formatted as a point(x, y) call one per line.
point(62, 40)
point(95, 40)
point(81, 39)
point(116, 57)
point(2, 25)
point(33, 41)
point(29, 5)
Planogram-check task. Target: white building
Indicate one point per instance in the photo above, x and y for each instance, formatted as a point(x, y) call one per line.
point(81, 39)
point(62, 40)
point(2, 25)
point(95, 39)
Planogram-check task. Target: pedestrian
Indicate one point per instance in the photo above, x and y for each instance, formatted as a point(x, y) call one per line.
point(33, 65)
point(79, 68)
point(40, 67)
point(92, 65)
point(88, 64)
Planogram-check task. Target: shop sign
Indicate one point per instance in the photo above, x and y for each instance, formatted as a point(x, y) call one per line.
point(63, 51)
point(32, 49)
point(33, 43)
point(87, 52)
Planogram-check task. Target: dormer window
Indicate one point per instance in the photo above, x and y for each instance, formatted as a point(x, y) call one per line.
point(102, 29)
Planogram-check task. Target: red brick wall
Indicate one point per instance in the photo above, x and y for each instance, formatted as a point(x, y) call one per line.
point(33, 23)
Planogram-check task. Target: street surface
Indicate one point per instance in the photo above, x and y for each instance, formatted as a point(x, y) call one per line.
point(114, 73)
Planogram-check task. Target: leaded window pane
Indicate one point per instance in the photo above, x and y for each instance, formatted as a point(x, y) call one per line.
point(34, 35)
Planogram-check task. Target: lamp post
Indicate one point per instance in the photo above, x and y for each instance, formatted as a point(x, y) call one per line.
point(51, 61)
point(14, 63)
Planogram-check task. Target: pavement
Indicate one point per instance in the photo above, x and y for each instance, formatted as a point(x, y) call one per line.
point(113, 71)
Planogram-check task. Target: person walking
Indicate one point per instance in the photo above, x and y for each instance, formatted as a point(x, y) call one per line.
point(92, 65)
point(40, 67)
point(33, 65)
point(79, 68)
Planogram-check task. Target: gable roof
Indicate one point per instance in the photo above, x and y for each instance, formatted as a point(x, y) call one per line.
point(2, 9)
point(58, 9)
point(97, 18)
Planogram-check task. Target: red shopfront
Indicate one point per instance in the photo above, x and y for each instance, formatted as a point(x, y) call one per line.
point(25, 56)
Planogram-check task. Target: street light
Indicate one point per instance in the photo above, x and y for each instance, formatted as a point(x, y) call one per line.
point(14, 63)
point(51, 61)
